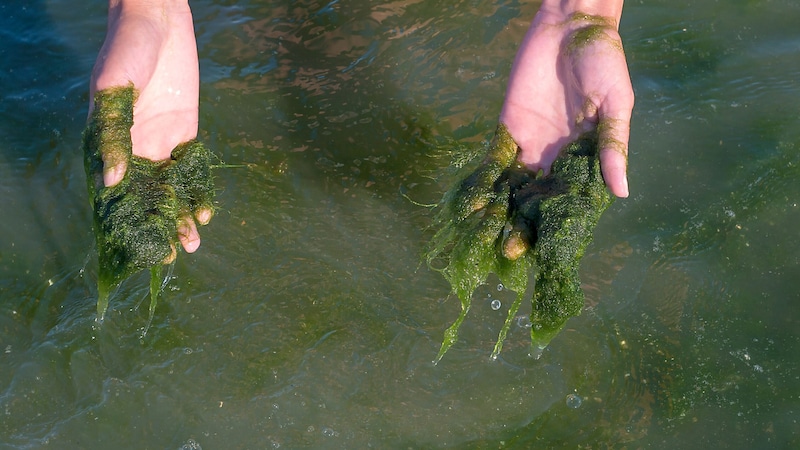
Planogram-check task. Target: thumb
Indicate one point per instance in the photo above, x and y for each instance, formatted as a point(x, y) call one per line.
point(613, 132)
point(113, 171)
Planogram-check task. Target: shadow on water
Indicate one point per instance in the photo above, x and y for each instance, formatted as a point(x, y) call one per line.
point(41, 84)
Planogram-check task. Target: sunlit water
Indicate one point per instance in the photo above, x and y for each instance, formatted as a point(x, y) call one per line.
point(306, 319)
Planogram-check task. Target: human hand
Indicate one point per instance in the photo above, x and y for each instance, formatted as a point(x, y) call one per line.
point(152, 45)
point(570, 76)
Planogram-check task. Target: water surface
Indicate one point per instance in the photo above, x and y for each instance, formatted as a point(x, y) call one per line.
point(306, 319)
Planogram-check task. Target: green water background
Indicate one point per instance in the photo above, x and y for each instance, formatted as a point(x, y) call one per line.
point(306, 319)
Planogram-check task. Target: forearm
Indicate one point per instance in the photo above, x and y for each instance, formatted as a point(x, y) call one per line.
point(148, 6)
point(160, 14)
point(564, 8)
point(140, 27)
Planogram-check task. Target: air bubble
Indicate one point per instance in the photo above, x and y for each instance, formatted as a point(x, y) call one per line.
point(500, 287)
point(496, 304)
point(574, 401)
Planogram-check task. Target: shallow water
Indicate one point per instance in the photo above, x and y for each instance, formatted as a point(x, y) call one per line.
point(306, 319)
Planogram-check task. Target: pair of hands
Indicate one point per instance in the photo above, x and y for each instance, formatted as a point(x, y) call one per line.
point(570, 76)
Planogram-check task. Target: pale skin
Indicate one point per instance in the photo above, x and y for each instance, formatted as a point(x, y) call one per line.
point(151, 43)
point(563, 84)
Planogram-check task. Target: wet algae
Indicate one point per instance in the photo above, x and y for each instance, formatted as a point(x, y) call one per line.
point(136, 221)
point(505, 219)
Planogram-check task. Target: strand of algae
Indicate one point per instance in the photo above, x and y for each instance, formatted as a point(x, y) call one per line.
point(505, 219)
point(136, 221)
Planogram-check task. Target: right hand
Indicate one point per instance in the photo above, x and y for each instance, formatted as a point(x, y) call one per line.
point(152, 45)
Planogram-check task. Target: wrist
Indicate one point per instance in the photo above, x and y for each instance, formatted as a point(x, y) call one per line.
point(152, 9)
point(564, 9)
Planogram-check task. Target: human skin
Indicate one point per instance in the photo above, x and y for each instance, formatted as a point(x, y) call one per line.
point(151, 43)
point(562, 85)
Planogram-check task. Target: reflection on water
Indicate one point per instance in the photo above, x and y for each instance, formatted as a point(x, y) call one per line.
point(307, 320)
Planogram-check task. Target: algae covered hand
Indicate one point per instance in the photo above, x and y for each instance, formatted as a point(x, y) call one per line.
point(149, 180)
point(532, 203)
point(152, 45)
point(570, 76)
point(505, 219)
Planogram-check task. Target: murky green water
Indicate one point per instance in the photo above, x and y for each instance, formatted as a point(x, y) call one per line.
point(306, 319)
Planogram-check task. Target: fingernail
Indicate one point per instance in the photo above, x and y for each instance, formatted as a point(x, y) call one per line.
point(189, 238)
point(625, 192)
point(204, 216)
point(113, 175)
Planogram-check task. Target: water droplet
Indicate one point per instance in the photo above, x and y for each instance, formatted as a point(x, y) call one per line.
point(496, 304)
point(574, 401)
point(523, 321)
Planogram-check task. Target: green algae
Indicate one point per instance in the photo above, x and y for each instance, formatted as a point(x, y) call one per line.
point(136, 221)
point(591, 29)
point(504, 219)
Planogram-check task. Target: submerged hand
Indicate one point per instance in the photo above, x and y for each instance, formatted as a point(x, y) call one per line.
point(152, 45)
point(570, 76)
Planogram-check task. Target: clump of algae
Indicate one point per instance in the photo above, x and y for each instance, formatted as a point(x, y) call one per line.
point(136, 221)
point(505, 219)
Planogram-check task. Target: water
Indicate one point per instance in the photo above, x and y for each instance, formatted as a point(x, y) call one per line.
point(306, 319)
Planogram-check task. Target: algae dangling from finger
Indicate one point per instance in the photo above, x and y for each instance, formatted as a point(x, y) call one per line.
point(564, 222)
point(467, 239)
point(136, 221)
point(527, 221)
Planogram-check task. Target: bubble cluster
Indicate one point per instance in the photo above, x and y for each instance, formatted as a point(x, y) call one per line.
point(191, 444)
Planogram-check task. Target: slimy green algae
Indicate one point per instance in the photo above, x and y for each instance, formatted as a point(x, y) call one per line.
point(590, 29)
point(136, 221)
point(505, 219)
point(563, 211)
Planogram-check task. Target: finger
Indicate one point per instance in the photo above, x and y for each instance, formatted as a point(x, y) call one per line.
point(173, 254)
point(113, 173)
point(613, 142)
point(188, 235)
point(515, 240)
point(614, 167)
point(613, 132)
point(204, 215)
